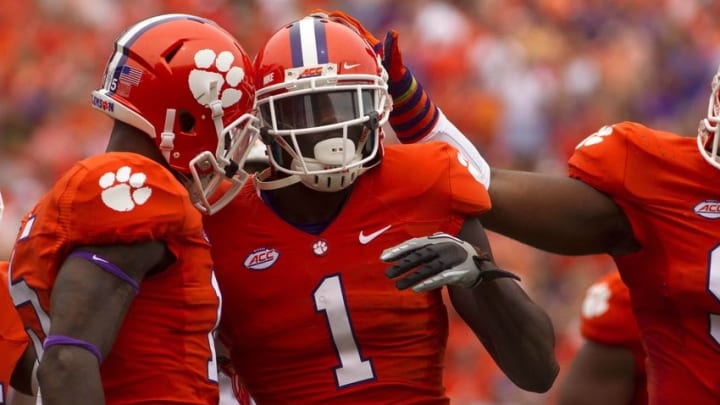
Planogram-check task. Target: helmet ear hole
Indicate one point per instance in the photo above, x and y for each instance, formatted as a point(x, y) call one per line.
point(173, 50)
point(187, 121)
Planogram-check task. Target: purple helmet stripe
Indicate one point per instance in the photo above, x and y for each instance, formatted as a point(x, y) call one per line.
point(321, 42)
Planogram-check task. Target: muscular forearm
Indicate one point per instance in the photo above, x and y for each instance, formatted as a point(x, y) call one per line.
point(516, 332)
point(70, 375)
point(555, 213)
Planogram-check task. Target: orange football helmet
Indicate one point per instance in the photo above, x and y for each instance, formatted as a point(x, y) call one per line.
point(322, 97)
point(187, 83)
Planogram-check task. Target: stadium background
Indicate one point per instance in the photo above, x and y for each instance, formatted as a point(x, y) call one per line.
point(525, 81)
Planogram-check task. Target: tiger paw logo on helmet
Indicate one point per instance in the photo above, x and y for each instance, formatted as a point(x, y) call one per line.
point(124, 190)
point(226, 73)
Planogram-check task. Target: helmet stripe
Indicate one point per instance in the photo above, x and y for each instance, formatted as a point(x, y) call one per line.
point(128, 38)
point(308, 42)
point(321, 41)
point(295, 46)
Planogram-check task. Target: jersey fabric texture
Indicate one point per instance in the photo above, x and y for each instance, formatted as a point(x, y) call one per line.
point(312, 319)
point(670, 195)
point(13, 339)
point(609, 320)
point(163, 349)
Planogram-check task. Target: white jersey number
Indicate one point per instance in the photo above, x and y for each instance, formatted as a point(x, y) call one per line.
point(714, 287)
point(212, 365)
point(329, 298)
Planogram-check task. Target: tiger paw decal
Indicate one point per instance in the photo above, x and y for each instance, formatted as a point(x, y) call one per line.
point(216, 67)
point(124, 190)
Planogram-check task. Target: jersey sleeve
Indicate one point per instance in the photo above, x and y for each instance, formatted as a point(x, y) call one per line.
point(607, 313)
point(468, 194)
point(600, 160)
point(122, 198)
point(13, 339)
point(11, 327)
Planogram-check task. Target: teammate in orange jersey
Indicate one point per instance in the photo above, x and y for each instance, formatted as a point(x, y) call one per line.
point(13, 339)
point(609, 368)
point(644, 196)
point(17, 360)
point(111, 270)
point(309, 315)
point(232, 392)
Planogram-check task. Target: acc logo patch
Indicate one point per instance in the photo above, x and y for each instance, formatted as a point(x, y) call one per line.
point(261, 258)
point(708, 209)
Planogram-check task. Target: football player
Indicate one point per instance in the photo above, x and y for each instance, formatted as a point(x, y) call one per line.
point(646, 197)
point(309, 314)
point(609, 368)
point(111, 270)
point(18, 358)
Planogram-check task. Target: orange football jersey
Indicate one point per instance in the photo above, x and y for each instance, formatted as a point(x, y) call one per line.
point(607, 318)
point(312, 319)
point(164, 350)
point(13, 339)
point(670, 195)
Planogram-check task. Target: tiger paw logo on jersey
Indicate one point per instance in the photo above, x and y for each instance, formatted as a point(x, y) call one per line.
point(226, 74)
point(596, 138)
point(124, 190)
point(320, 247)
point(596, 301)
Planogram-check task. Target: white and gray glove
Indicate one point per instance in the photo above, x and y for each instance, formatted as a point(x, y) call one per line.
point(441, 259)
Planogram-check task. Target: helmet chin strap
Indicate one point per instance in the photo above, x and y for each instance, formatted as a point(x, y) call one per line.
point(216, 110)
point(262, 184)
point(167, 137)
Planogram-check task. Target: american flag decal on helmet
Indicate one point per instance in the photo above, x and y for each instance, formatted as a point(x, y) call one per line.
point(130, 75)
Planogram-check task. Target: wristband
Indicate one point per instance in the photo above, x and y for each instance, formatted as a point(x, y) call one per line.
point(54, 340)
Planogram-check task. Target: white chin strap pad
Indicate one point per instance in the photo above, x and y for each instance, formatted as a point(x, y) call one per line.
point(334, 151)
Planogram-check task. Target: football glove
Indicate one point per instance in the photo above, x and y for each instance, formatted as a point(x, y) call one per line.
point(388, 49)
point(441, 259)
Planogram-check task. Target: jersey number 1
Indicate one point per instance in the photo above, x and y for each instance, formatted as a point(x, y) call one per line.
point(330, 299)
point(714, 287)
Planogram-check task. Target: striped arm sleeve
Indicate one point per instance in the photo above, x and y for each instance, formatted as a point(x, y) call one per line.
point(414, 114)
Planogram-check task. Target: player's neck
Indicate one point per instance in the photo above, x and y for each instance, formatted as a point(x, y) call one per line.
point(125, 138)
point(302, 205)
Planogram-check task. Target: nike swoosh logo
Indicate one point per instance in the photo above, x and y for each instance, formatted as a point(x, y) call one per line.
point(99, 259)
point(365, 239)
point(350, 66)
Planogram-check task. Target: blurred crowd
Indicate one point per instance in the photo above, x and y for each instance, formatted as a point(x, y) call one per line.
point(525, 80)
